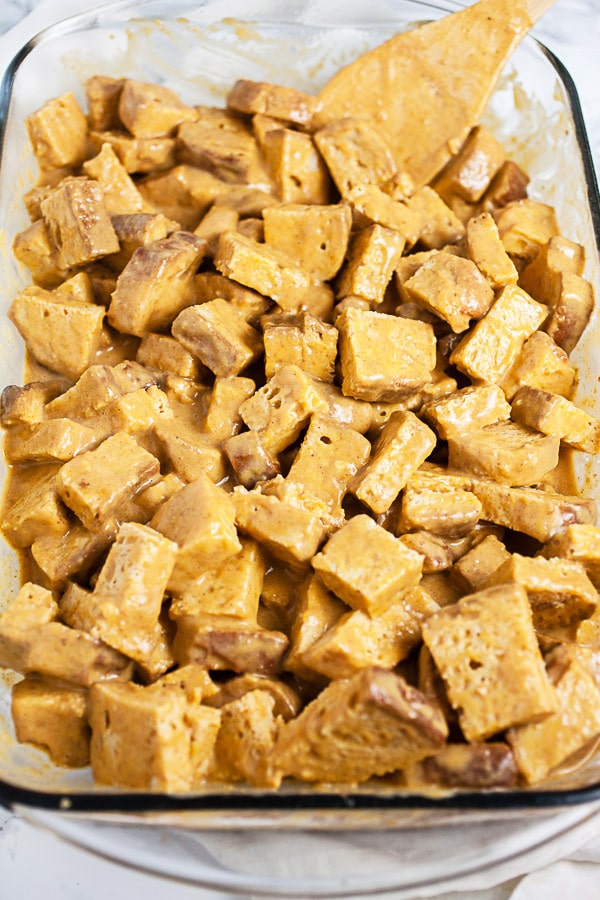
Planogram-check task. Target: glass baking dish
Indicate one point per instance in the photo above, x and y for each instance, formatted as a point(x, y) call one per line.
point(199, 49)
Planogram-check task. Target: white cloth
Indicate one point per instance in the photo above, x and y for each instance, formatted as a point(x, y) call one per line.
point(33, 861)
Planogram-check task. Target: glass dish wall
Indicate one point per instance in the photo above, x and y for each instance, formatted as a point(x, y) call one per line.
point(200, 49)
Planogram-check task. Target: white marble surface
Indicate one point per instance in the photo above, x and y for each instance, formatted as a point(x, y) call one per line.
point(34, 863)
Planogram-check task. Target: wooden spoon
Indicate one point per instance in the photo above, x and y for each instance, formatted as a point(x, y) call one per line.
point(424, 89)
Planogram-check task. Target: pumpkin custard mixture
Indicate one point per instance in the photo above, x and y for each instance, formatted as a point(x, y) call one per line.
point(289, 471)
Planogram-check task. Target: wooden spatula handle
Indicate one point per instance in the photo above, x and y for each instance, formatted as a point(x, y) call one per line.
point(537, 8)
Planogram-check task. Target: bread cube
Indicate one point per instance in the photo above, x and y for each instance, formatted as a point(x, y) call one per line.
point(232, 588)
point(403, 444)
point(160, 660)
point(149, 499)
point(485, 648)
point(190, 453)
point(97, 483)
point(571, 313)
point(289, 531)
point(34, 248)
point(449, 513)
point(540, 364)
point(470, 171)
point(32, 507)
point(509, 183)
point(540, 513)
point(489, 765)
point(507, 452)
point(540, 747)
point(490, 348)
point(552, 414)
point(251, 304)
point(216, 220)
point(438, 224)
point(296, 167)
point(73, 656)
point(58, 133)
point(437, 552)
point(579, 542)
point(355, 153)
point(220, 142)
point(26, 404)
point(525, 226)
point(78, 222)
point(316, 610)
point(120, 193)
point(97, 387)
point(315, 236)
point(542, 278)
point(102, 282)
point(280, 587)
point(61, 334)
point(218, 335)
point(33, 607)
point(274, 100)
point(144, 738)
point(156, 284)
point(77, 287)
point(400, 186)
point(375, 723)
point(73, 554)
point(373, 256)
point(356, 641)
point(435, 477)
point(34, 196)
point(473, 570)
point(406, 366)
point(151, 110)
point(452, 288)
point(54, 440)
point(280, 409)
point(373, 205)
point(559, 591)
point(302, 340)
point(286, 699)
point(268, 271)
point(125, 605)
point(328, 458)
point(182, 193)
point(138, 413)
point(200, 518)
point(194, 680)
point(53, 717)
point(245, 739)
point(467, 409)
point(554, 277)
point(137, 155)
point(223, 419)
point(262, 125)
point(296, 494)
point(366, 566)
point(249, 459)
point(485, 248)
point(163, 352)
point(406, 268)
point(226, 643)
point(358, 414)
point(251, 228)
point(102, 94)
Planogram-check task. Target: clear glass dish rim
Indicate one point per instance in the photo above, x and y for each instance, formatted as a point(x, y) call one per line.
point(102, 801)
